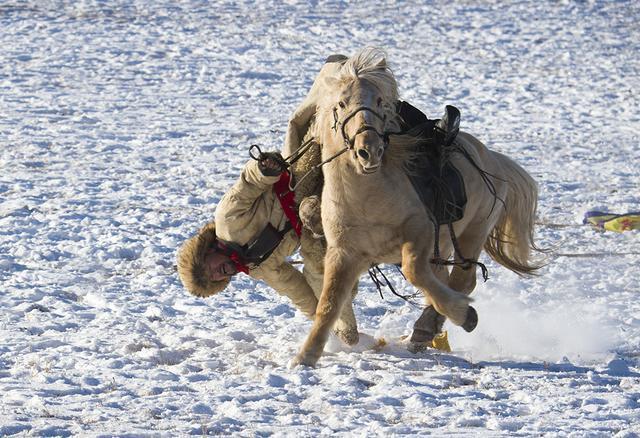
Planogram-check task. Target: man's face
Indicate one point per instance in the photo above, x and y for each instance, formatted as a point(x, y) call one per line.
point(219, 266)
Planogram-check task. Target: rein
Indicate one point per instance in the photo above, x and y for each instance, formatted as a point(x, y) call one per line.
point(298, 153)
point(255, 152)
point(375, 270)
point(349, 142)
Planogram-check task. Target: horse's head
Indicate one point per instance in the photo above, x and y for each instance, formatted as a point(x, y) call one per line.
point(359, 109)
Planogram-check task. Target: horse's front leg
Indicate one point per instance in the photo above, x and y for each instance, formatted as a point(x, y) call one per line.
point(340, 275)
point(416, 255)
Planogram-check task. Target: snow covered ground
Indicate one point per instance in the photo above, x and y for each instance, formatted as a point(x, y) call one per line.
point(123, 122)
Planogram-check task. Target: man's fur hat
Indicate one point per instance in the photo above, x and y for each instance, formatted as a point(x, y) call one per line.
point(191, 267)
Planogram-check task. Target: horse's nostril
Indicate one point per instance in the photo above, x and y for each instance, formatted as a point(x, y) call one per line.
point(363, 154)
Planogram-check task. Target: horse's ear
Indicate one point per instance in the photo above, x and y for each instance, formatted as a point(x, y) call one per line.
point(382, 63)
point(331, 81)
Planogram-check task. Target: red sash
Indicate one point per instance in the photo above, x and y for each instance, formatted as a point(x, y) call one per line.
point(287, 201)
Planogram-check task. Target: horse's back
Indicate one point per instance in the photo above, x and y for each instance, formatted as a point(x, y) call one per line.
point(482, 172)
point(489, 161)
point(475, 147)
point(493, 182)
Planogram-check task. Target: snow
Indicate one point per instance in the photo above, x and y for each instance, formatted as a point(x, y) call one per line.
point(122, 124)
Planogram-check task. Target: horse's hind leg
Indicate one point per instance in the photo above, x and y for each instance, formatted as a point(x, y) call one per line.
point(340, 275)
point(346, 327)
point(430, 322)
point(462, 279)
point(470, 243)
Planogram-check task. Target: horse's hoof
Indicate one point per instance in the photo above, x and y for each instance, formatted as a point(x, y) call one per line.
point(472, 320)
point(301, 360)
point(295, 363)
point(427, 326)
point(349, 336)
point(419, 336)
point(417, 347)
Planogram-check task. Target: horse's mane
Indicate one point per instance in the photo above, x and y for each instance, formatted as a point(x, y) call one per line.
point(370, 64)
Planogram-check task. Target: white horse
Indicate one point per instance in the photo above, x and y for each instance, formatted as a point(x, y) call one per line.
point(372, 214)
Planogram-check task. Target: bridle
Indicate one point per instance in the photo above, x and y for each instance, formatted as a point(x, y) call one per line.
point(350, 141)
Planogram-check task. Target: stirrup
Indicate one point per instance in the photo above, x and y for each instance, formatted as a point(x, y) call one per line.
point(449, 125)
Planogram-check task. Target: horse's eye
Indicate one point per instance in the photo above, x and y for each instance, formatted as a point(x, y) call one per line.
point(379, 101)
point(341, 104)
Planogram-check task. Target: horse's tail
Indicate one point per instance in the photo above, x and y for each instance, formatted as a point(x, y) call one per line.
point(511, 242)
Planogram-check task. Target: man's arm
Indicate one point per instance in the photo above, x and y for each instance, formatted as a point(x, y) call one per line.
point(242, 196)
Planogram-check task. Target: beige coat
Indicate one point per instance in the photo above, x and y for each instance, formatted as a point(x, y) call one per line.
point(243, 212)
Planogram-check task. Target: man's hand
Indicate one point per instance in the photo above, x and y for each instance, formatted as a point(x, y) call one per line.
point(271, 163)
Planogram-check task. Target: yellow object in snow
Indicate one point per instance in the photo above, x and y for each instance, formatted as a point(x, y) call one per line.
point(623, 223)
point(441, 342)
point(613, 222)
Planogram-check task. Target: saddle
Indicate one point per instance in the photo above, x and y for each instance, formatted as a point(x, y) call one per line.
point(438, 183)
